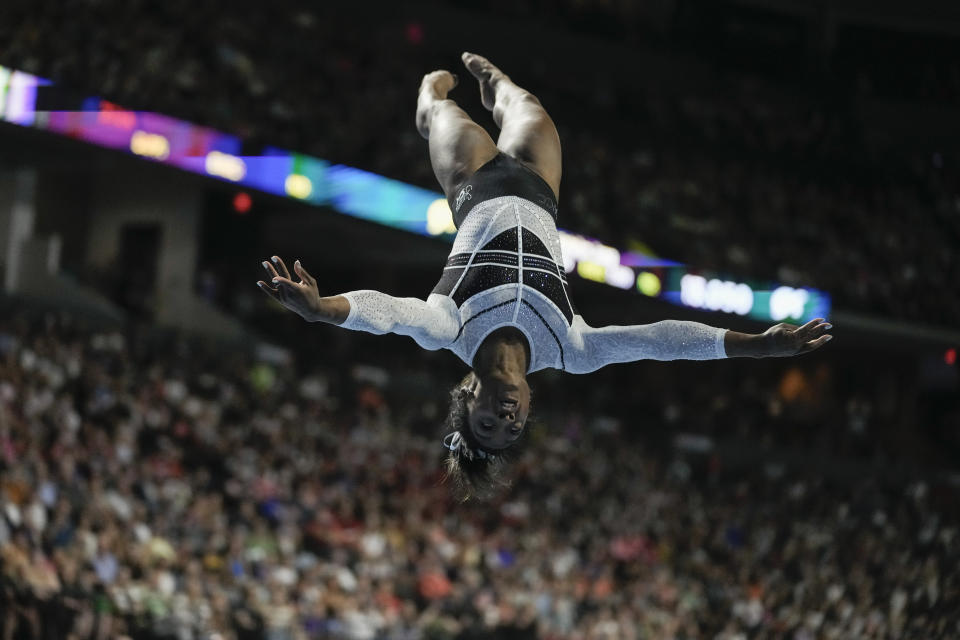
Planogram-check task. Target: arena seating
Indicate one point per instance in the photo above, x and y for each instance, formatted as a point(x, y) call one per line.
point(156, 489)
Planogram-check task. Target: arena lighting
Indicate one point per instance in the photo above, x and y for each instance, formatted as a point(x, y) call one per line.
point(242, 202)
point(716, 295)
point(150, 145)
point(18, 95)
point(619, 276)
point(226, 166)
point(648, 284)
point(114, 116)
point(578, 248)
point(591, 271)
point(603, 262)
point(369, 196)
point(787, 302)
point(440, 218)
point(298, 186)
point(5, 75)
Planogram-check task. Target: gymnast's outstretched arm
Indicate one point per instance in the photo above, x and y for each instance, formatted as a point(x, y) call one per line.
point(432, 323)
point(592, 348)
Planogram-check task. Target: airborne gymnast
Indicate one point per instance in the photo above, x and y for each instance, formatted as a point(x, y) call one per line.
point(502, 303)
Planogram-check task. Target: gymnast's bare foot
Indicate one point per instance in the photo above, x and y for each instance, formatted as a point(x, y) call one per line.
point(439, 83)
point(487, 74)
point(433, 92)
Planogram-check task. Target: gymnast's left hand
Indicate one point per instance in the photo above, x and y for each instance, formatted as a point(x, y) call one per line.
point(786, 339)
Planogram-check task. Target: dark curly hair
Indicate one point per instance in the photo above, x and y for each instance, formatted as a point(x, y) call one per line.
point(475, 472)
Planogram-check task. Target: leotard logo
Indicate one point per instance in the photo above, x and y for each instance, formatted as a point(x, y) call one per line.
point(465, 194)
point(546, 203)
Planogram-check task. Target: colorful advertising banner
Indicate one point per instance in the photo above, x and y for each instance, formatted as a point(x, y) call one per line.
point(24, 101)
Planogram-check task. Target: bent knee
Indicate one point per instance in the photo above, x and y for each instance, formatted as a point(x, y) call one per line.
point(518, 104)
point(528, 100)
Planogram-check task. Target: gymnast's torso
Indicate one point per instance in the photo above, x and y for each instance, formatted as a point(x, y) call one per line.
point(506, 270)
point(506, 266)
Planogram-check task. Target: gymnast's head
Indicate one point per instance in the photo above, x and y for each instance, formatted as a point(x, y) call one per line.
point(485, 428)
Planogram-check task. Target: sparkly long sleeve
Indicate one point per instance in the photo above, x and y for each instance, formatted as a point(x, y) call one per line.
point(433, 323)
point(592, 348)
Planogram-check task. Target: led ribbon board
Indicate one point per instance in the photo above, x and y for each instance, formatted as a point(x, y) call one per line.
point(29, 101)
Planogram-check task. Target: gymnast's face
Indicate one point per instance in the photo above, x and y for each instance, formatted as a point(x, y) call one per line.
point(498, 410)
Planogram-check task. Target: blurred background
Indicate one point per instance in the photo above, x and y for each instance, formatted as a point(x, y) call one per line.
point(182, 459)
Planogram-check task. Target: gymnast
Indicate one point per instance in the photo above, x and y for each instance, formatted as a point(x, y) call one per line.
point(502, 304)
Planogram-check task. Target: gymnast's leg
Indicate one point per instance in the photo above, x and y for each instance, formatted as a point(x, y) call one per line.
point(526, 131)
point(458, 145)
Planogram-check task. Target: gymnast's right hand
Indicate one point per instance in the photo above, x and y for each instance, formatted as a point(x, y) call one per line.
point(302, 297)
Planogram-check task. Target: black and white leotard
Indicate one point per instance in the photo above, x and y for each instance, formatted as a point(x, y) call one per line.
point(506, 270)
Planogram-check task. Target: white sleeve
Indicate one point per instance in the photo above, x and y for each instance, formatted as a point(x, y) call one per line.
point(592, 348)
point(433, 323)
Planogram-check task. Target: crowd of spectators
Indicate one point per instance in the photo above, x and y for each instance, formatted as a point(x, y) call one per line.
point(737, 174)
point(153, 489)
